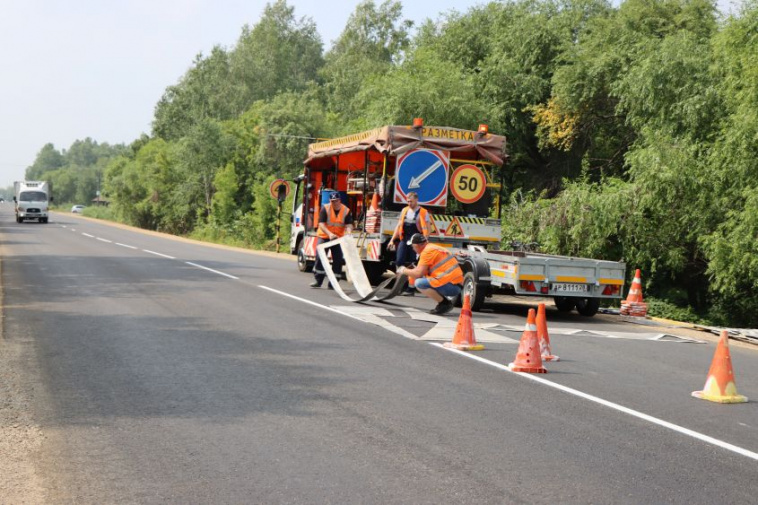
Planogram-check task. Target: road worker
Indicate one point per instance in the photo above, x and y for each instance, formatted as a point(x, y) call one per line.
point(437, 275)
point(334, 221)
point(413, 219)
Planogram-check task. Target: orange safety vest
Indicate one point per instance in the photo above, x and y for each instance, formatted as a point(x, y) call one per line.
point(422, 220)
point(335, 223)
point(444, 267)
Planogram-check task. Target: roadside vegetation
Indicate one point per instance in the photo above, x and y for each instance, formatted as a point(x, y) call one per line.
point(632, 131)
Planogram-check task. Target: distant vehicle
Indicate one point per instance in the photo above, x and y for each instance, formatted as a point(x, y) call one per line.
point(78, 209)
point(32, 198)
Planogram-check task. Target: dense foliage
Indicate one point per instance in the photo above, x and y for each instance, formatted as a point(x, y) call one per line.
point(632, 130)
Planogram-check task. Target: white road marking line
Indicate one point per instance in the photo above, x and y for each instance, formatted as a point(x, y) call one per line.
point(88, 235)
point(211, 270)
point(159, 254)
point(325, 307)
point(104, 240)
point(645, 417)
point(127, 246)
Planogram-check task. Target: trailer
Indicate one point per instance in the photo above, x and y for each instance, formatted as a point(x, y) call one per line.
point(573, 283)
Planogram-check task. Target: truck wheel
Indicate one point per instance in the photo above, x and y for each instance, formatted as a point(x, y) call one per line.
point(302, 263)
point(564, 304)
point(587, 306)
point(475, 292)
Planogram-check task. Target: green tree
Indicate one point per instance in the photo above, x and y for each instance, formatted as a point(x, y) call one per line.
point(374, 39)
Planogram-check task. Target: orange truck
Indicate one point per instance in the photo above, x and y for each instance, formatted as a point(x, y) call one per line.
point(456, 173)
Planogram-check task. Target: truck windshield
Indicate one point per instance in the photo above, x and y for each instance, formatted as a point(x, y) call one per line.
point(33, 196)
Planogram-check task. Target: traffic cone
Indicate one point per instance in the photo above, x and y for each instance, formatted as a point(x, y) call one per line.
point(545, 352)
point(464, 338)
point(528, 358)
point(720, 386)
point(635, 291)
point(634, 305)
point(373, 216)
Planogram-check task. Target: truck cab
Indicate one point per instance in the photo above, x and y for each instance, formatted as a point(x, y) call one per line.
point(31, 200)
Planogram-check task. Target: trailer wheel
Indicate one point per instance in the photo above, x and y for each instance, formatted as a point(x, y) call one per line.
point(476, 293)
point(588, 306)
point(564, 304)
point(302, 263)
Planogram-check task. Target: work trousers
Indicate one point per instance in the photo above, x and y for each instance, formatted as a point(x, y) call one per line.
point(318, 269)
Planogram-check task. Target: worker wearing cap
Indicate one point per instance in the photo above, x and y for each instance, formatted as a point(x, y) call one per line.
point(437, 275)
point(413, 219)
point(333, 222)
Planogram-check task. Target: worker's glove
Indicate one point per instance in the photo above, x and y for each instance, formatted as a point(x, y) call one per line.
point(400, 270)
point(391, 246)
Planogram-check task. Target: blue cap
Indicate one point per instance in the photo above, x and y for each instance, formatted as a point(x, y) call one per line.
point(334, 196)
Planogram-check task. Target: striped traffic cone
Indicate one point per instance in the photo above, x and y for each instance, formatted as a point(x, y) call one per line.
point(720, 386)
point(528, 357)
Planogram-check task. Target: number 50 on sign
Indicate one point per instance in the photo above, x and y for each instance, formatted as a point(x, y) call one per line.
point(468, 183)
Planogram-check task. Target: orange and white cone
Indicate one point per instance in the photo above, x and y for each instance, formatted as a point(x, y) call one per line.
point(634, 304)
point(545, 351)
point(528, 357)
point(464, 338)
point(720, 386)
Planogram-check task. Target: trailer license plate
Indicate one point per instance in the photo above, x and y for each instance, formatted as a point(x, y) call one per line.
point(571, 288)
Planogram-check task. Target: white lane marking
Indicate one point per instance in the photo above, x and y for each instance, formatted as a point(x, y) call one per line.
point(211, 270)
point(127, 246)
point(325, 307)
point(626, 410)
point(88, 235)
point(104, 240)
point(159, 254)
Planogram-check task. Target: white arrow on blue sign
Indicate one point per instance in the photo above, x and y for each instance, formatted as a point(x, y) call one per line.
point(424, 171)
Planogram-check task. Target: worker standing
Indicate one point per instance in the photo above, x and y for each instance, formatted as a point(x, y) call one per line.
point(437, 275)
point(334, 221)
point(413, 219)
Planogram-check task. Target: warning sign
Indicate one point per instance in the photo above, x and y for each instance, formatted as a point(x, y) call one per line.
point(454, 229)
point(433, 231)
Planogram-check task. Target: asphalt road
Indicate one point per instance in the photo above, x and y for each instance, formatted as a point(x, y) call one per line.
point(168, 371)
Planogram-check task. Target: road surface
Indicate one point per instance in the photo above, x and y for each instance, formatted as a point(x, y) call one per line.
point(166, 371)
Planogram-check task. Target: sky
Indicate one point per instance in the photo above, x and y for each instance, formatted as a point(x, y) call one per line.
point(73, 69)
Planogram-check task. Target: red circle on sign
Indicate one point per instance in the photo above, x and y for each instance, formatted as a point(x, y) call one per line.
point(273, 188)
point(468, 183)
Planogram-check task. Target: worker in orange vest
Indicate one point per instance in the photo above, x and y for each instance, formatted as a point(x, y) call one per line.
point(437, 275)
point(413, 219)
point(333, 222)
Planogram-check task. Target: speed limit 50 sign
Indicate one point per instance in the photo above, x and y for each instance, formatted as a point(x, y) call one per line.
point(468, 183)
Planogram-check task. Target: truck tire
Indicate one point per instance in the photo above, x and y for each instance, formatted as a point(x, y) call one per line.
point(564, 303)
point(43, 220)
point(303, 264)
point(587, 306)
point(477, 293)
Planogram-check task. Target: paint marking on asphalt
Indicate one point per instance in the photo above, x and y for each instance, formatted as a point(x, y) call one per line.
point(159, 254)
point(88, 235)
point(104, 240)
point(127, 246)
point(660, 422)
point(211, 270)
point(309, 302)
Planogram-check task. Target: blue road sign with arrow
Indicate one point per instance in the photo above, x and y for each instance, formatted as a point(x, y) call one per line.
point(425, 172)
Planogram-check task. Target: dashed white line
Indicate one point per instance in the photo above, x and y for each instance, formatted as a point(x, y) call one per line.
point(104, 240)
point(127, 246)
point(626, 410)
point(159, 254)
point(211, 270)
point(88, 235)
